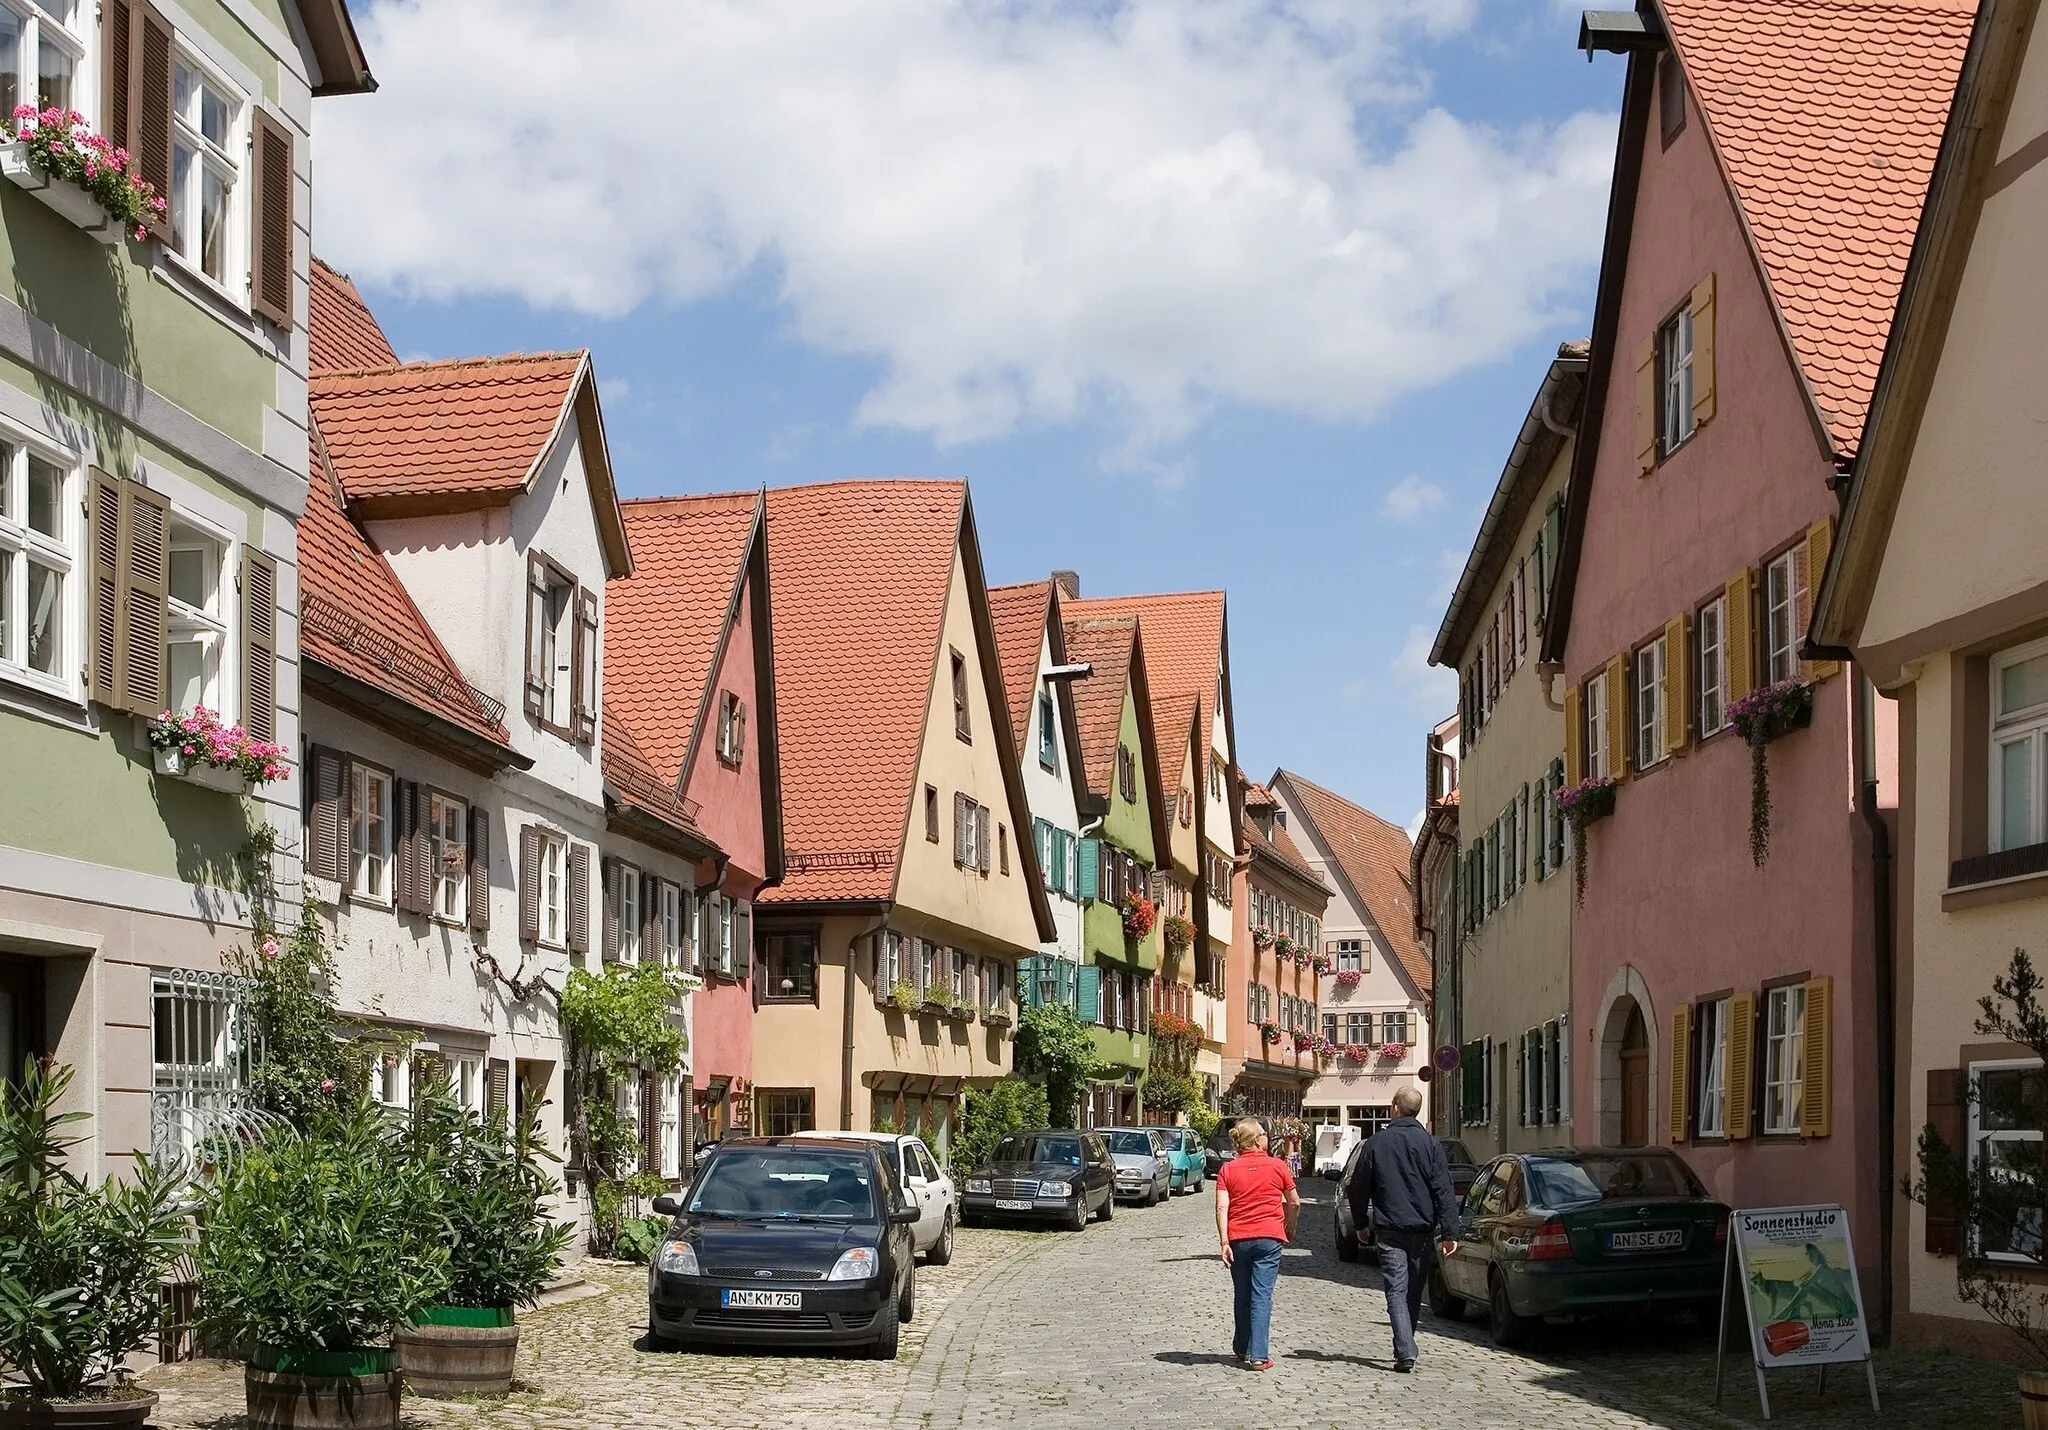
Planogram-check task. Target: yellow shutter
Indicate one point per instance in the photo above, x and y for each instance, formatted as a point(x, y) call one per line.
point(1816, 1058)
point(1681, 1070)
point(1574, 737)
point(1677, 686)
point(1646, 406)
point(1741, 1063)
point(1740, 658)
point(1703, 352)
point(1617, 717)
point(1820, 541)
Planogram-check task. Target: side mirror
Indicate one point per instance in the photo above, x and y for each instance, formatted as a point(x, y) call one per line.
point(667, 1206)
point(905, 1214)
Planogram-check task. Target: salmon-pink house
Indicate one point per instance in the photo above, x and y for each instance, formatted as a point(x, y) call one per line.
point(1728, 999)
point(689, 672)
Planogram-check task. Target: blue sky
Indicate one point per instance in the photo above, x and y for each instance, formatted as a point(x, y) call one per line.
point(1212, 293)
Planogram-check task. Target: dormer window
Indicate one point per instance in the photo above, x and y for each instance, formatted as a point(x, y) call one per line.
point(732, 728)
point(561, 651)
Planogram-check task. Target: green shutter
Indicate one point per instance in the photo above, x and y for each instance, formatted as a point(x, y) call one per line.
point(1088, 989)
point(1027, 983)
point(1070, 991)
point(1091, 869)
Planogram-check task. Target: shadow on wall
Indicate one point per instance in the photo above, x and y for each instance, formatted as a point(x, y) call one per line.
point(69, 284)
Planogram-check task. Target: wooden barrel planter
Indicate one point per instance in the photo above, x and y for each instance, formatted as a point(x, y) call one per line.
point(2034, 1401)
point(459, 1350)
point(323, 1390)
point(131, 1410)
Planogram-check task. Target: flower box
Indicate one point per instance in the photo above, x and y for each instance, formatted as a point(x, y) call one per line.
point(1772, 711)
point(175, 764)
point(936, 1005)
point(1587, 801)
point(1350, 978)
point(62, 197)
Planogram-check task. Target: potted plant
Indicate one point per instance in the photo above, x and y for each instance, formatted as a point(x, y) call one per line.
point(1322, 963)
point(1357, 1053)
point(317, 1246)
point(1393, 1052)
point(1302, 1041)
point(198, 745)
point(1139, 915)
point(84, 177)
point(81, 1267)
point(1283, 944)
point(1179, 933)
point(1262, 938)
point(1349, 978)
point(502, 1249)
point(1270, 1031)
point(1760, 717)
point(1583, 804)
point(903, 995)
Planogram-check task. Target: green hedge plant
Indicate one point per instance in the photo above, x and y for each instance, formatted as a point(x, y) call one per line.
point(502, 1249)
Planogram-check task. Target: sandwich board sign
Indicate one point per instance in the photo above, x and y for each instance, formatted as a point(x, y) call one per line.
point(1792, 1270)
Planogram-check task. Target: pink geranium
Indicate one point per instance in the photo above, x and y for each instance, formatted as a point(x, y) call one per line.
point(203, 737)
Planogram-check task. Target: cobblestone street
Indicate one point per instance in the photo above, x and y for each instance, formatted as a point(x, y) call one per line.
point(1129, 1324)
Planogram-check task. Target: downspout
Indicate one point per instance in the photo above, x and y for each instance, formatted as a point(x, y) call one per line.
point(1886, 989)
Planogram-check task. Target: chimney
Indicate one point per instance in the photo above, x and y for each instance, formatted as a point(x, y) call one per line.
point(1069, 583)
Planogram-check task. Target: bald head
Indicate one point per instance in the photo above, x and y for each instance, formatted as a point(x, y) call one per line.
point(1407, 1102)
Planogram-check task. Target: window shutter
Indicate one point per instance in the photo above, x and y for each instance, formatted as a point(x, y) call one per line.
point(1944, 1231)
point(327, 826)
point(1646, 405)
point(1740, 658)
point(1574, 737)
point(609, 875)
point(650, 919)
point(145, 584)
point(117, 72)
point(423, 874)
point(150, 101)
point(1088, 993)
point(270, 218)
point(1677, 685)
point(403, 867)
point(497, 1090)
point(479, 868)
point(584, 682)
point(739, 732)
point(1817, 1056)
point(536, 623)
point(529, 883)
point(650, 1123)
point(981, 838)
point(1677, 1093)
point(578, 911)
point(1027, 983)
point(1564, 1067)
point(1820, 541)
point(743, 944)
point(1617, 716)
point(1091, 869)
point(1703, 352)
point(259, 644)
point(1741, 1077)
point(103, 588)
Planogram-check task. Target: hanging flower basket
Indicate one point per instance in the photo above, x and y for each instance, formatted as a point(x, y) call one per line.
point(1140, 913)
point(1262, 937)
point(1270, 1031)
point(1759, 718)
point(1349, 978)
point(1586, 802)
point(1283, 945)
point(87, 179)
point(1321, 962)
point(1302, 1041)
point(1179, 933)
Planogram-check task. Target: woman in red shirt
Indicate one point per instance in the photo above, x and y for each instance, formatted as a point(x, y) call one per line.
point(1256, 1209)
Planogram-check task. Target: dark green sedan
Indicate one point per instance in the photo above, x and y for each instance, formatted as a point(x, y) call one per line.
point(1579, 1232)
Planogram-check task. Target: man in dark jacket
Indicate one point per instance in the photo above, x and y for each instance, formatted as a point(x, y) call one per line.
point(1405, 1188)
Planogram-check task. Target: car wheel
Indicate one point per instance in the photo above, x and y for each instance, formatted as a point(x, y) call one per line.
point(1442, 1301)
point(886, 1343)
point(941, 1250)
point(1108, 1205)
point(906, 1304)
point(1347, 1246)
point(1079, 1218)
point(1198, 1182)
point(1510, 1331)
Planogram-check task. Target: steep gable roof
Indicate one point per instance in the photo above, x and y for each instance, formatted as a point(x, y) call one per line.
point(345, 334)
point(1183, 641)
point(633, 781)
point(1281, 850)
point(1110, 645)
point(1019, 613)
point(1372, 857)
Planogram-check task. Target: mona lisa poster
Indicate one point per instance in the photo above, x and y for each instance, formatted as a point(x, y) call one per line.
point(1798, 1275)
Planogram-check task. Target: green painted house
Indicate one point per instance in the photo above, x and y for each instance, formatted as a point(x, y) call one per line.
point(1124, 827)
point(153, 462)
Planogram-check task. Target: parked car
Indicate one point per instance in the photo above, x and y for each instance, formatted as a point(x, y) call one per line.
point(1334, 1143)
point(1144, 1173)
point(1047, 1176)
point(1581, 1232)
point(786, 1241)
point(1185, 1152)
point(1351, 1237)
point(927, 1185)
point(1221, 1149)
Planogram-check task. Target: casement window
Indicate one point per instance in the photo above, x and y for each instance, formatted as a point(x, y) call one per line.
point(2006, 1115)
point(784, 1111)
point(622, 896)
point(1674, 381)
point(370, 833)
point(553, 890)
point(208, 143)
point(718, 952)
point(1394, 1028)
point(1784, 1062)
point(931, 814)
point(2019, 747)
point(930, 967)
point(1711, 1050)
point(448, 856)
point(962, 726)
point(970, 833)
point(1048, 734)
point(1784, 587)
point(1670, 98)
point(39, 492)
point(792, 966)
point(1351, 955)
point(891, 965)
point(201, 1051)
point(732, 728)
point(44, 40)
point(1331, 1028)
point(674, 920)
point(1215, 776)
point(1675, 378)
point(391, 1078)
point(1358, 1029)
point(561, 651)
point(1652, 673)
point(1594, 702)
point(670, 1158)
point(196, 634)
point(1710, 635)
point(1126, 774)
point(995, 986)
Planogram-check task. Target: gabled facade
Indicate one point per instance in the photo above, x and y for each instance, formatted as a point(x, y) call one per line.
point(1269, 1057)
point(1939, 586)
point(1373, 981)
point(887, 955)
point(1506, 1007)
point(1761, 218)
point(153, 461)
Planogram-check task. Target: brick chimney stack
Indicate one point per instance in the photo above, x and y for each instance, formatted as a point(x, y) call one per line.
point(1069, 583)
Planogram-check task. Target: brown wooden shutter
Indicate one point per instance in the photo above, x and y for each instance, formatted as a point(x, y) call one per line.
point(142, 679)
point(424, 873)
point(1945, 1104)
point(743, 944)
point(1739, 658)
point(327, 828)
point(1703, 352)
point(1820, 542)
point(270, 218)
point(536, 622)
point(479, 868)
point(608, 907)
point(103, 588)
point(1677, 686)
point(259, 644)
point(650, 1122)
point(1817, 1059)
point(529, 883)
point(981, 837)
point(404, 866)
point(497, 1089)
point(1677, 1092)
point(1646, 405)
point(151, 89)
point(1574, 736)
point(960, 850)
point(650, 918)
point(1741, 1078)
point(739, 731)
point(579, 899)
point(585, 675)
point(120, 33)
point(1617, 716)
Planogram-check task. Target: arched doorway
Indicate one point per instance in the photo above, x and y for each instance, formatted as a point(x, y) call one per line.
point(1626, 1051)
point(1635, 1079)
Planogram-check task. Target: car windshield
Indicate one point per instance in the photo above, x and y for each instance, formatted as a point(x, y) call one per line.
point(1455, 1151)
point(775, 1183)
point(1554, 1182)
point(1065, 1150)
point(1137, 1144)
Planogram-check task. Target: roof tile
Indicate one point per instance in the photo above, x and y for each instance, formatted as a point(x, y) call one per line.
point(1105, 644)
point(1183, 645)
point(344, 332)
point(1373, 857)
point(1018, 613)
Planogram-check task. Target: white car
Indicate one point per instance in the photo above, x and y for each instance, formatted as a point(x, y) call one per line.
point(1333, 1148)
point(937, 1211)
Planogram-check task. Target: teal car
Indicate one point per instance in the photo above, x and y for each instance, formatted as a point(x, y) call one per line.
point(1184, 1152)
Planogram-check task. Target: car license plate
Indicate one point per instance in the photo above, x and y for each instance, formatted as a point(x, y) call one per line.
point(1646, 1240)
point(748, 1300)
point(1005, 1205)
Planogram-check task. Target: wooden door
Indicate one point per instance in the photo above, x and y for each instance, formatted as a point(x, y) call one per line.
point(1635, 1097)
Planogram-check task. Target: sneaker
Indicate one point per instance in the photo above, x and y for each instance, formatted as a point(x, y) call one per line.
point(1258, 1365)
point(1404, 1366)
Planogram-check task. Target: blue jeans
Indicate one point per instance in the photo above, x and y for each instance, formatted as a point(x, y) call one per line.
point(1404, 1268)
point(1254, 1267)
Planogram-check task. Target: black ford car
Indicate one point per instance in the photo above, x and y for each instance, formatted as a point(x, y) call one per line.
point(1064, 1177)
point(785, 1241)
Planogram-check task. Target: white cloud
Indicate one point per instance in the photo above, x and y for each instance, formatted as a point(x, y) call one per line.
point(1414, 825)
point(1432, 689)
point(614, 390)
point(1411, 498)
point(1027, 212)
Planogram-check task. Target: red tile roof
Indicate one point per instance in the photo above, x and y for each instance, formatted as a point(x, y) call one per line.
point(637, 782)
point(861, 572)
point(345, 334)
point(1373, 858)
point(474, 425)
point(1107, 644)
point(1173, 724)
point(663, 624)
point(1282, 851)
point(1019, 616)
point(1827, 115)
point(356, 617)
point(1183, 644)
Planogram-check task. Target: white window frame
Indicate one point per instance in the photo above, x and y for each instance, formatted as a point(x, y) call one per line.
point(2026, 727)
point(1979, 1139)
point(671, 1124)
point(189, 624)
point(1784, 1058)
point(731, 720)
point(1674, 381)
point(391, 1077)
point(1711, 1060)
point(233, 157)
point(20, 547)
point(1652, 674)
point(669, 899)
point(1351, 955)
point(1782, 593)
point(1710, 624)
point(39, 24)
point(466, 1079)
point(1593, 711)
point(552, 859)
point(721, 914)
point(363, 778)
point(626, 910)
point(451, 877)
